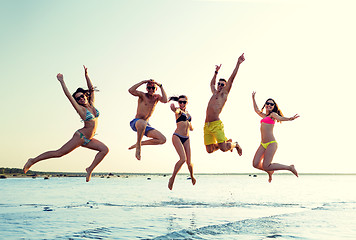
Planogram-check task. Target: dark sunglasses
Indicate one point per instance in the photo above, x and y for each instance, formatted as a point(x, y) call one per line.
point(268, 103)
point(149, 88)
point(221, 84)
point(184, 102)
point(78, 98)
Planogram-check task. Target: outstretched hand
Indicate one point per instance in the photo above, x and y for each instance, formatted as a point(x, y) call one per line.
point(217, 67)
point(241, 59)
point(253, 94)
point(294, 117)
point(60, 77)
point(85, 69)
point(173, 107)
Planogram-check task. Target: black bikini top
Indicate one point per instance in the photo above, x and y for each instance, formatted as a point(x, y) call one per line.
point(183, 117)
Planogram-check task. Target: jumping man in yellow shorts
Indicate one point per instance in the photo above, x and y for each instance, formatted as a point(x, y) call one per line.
point(214, 136)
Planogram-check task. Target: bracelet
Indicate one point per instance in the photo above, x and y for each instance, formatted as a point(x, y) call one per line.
point(216, 72)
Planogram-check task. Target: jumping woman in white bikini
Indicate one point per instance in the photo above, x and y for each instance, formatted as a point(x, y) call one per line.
point(83, 102)
point(268, 147)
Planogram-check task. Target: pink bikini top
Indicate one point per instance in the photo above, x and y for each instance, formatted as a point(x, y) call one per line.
point(267, 120)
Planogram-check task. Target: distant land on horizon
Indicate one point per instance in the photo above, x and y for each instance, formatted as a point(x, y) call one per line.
point(19, 171)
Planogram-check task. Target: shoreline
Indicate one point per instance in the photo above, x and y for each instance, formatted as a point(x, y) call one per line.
point(18, 173)
point(47, 175)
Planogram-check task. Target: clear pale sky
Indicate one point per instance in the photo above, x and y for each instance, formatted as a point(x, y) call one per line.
point(301, 53)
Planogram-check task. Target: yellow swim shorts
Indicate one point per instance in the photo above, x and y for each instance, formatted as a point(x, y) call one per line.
point(214, 132)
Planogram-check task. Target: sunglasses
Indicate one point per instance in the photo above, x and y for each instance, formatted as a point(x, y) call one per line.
point(182, 102)
point(78, 98)
point(149, 88)
point(221, 84)
point(269, 103)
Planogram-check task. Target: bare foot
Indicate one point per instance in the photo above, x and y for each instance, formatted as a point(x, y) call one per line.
point(170, 184)
point(28, 165)
point(88, 174)
point(132, 147)
point(230, 140)
point(293, 170)
point(270, 176)
point(138, 154)
point(193, 180)
point(239, 149)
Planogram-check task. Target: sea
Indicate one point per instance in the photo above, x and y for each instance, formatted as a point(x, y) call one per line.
point(219, 206)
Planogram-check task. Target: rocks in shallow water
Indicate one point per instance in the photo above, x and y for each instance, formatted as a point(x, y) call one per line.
point(47, 209)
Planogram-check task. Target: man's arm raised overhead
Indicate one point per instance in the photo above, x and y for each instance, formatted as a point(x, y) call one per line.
point(233, 75)
point(133, 90)
point(213, 81)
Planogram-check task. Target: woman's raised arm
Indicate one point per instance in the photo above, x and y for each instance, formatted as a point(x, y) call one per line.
point(90, 86)
point(255, 106)
point(67, 93)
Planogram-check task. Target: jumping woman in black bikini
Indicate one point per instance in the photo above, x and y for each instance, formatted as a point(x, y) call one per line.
point(180, 137)
point(83, 102)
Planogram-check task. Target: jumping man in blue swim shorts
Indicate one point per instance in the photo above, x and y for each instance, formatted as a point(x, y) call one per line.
point(146, 105)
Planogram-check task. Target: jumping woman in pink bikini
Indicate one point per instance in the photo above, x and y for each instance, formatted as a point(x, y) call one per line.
point(265, 152)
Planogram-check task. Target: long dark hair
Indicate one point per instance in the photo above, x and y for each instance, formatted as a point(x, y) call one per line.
point(175, 98)
point(81, 90)
point(275, 108)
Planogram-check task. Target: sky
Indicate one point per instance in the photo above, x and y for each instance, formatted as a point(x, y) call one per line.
point(301, 53)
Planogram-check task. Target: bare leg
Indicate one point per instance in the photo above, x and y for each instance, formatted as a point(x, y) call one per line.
point(103, 151)
point(270, 175)
point(157, 138)
point(182, 158)
point(257, 161)
point(230, 140)
point(72, 144)
point(269, 166)
point(212, 148)
point(229, 146)
point(293, 170)
point(141, 127)
point(189, 163)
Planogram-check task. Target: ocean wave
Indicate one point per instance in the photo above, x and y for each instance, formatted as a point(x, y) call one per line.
point(264, 227)
point(94, 233)
point(174, 203)
point(272, 226)
point(180, 203)
point(337, 206)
